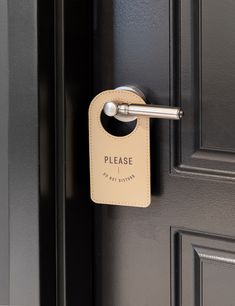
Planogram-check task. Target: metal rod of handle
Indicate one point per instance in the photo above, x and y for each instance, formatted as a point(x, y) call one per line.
point(132, 110)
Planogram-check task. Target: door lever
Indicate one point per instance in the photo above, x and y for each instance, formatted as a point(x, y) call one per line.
point(129, 112)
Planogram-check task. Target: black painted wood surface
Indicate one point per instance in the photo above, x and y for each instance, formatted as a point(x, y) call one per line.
point(180, 251)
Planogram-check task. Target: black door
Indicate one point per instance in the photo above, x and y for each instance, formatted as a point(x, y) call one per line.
point(180, 250)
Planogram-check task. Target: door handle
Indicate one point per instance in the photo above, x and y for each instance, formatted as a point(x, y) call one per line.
point(129, 112)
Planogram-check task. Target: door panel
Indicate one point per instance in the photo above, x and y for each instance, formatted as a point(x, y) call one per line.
point(169, 49)
point(211, 282)
point(205, 86)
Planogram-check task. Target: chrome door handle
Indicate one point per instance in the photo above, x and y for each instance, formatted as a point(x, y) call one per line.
point(113, 109)
point(128, 112)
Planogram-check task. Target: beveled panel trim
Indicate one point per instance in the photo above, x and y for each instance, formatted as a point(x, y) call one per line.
point(190, 250)
point(214, 255)
point(189, 157)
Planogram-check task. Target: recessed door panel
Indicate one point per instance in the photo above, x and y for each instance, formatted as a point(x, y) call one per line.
point(206, 269)
point(204, 83)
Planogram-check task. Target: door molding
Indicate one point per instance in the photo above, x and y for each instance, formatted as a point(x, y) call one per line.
point(194, 149)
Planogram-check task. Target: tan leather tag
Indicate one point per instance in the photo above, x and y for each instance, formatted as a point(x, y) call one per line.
point(119, 166)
